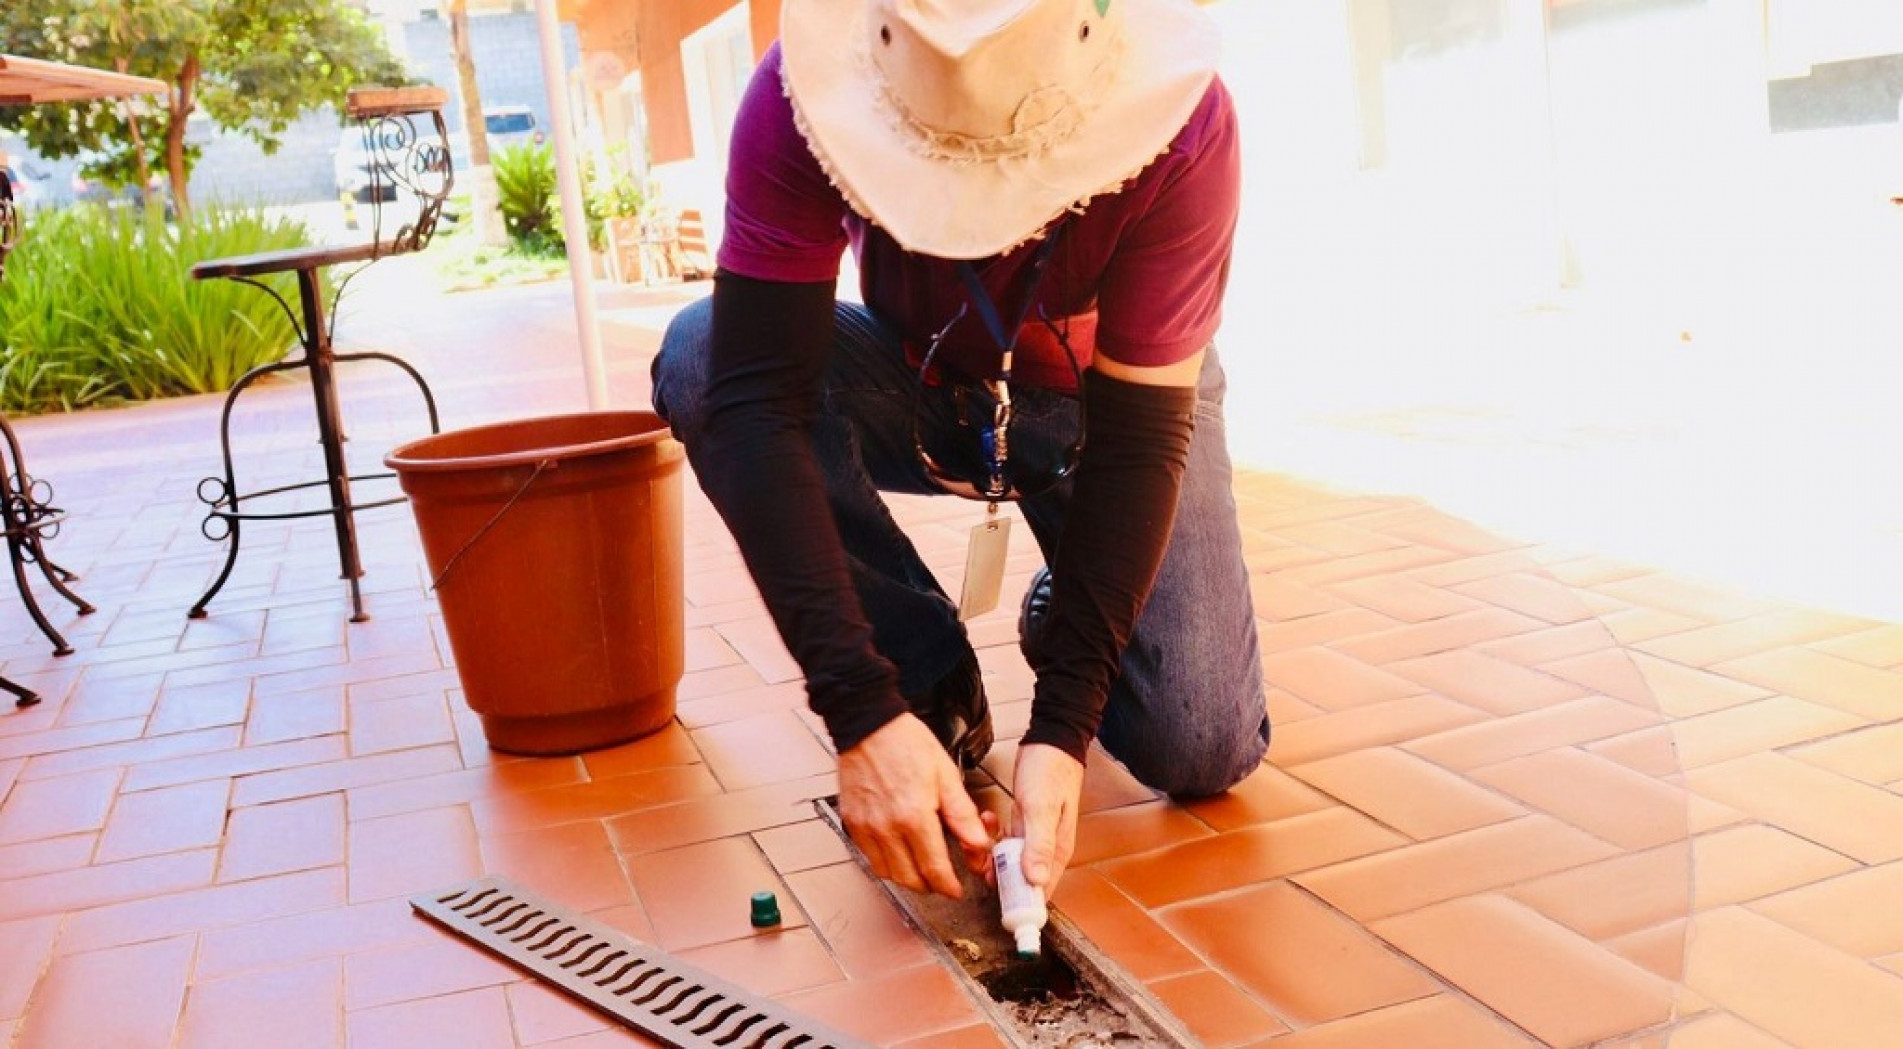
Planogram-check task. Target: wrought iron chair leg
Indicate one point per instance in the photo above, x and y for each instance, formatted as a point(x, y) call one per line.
point(15, 547)
point(231, 560)
point(22, 696)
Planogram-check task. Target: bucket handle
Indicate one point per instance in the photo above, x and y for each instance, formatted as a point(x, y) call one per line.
point(544, 464)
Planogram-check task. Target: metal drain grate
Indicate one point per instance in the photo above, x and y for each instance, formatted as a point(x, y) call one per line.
point(634, 982)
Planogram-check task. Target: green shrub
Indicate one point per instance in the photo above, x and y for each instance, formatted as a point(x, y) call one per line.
point(525, 180)
point(98, 305)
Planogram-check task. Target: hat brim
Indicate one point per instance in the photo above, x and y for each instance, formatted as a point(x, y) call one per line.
point(974, 210)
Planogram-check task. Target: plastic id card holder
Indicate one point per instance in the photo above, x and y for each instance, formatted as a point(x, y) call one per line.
point(984, 565)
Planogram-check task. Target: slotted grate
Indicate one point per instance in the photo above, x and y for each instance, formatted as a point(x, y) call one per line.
point(636, 983)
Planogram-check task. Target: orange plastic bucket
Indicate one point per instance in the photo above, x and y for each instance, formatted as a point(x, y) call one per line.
point(555, 544)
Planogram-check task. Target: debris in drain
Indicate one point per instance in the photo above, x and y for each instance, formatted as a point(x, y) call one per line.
point(1045, 1001)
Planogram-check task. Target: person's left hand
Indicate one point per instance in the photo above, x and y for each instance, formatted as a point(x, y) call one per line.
point(1048, 785)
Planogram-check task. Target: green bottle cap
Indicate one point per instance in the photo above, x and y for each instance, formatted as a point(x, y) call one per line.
point(766, 910)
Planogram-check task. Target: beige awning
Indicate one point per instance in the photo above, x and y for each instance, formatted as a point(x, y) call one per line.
point(24, 81)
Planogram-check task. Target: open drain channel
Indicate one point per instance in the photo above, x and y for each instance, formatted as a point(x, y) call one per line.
point(1072, 996)
point(631, 981)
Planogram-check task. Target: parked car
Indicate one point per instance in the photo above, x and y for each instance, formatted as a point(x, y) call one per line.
point(93, 189)
point(509, 126)
point(352, 167)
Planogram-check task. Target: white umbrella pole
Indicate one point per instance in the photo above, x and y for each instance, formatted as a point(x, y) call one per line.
point(574, 218)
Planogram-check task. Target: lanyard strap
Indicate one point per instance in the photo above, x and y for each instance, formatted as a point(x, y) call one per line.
point(1007, 338)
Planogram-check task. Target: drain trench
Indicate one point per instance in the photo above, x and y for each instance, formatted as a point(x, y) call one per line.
point(1071, 996)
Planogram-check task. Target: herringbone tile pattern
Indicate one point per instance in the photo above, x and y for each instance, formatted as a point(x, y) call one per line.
point(1517, 795)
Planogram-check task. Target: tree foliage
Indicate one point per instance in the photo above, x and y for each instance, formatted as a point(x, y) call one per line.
point(251, 66)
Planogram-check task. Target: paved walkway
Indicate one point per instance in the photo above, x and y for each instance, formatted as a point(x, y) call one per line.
point(1518, 795)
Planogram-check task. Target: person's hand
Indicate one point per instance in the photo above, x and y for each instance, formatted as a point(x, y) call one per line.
point(1048, 784)
point(895, 788)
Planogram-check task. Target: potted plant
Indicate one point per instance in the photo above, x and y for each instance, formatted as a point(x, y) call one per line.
point(615, 204)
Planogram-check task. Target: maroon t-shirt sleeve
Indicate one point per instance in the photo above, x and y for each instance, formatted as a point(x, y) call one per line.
point(785, 221)
point(1161, 296)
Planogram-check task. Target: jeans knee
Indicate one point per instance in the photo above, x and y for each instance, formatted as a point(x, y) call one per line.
point(679, 368)
point(1197, 763)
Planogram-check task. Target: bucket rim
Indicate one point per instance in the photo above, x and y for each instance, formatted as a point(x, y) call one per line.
point(404, 459)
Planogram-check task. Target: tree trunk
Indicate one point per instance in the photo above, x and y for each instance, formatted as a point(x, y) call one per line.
point(485, 197)
point(183, 102)
point(138, 142)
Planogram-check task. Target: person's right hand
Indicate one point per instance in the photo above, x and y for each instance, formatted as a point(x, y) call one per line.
point(895, 788)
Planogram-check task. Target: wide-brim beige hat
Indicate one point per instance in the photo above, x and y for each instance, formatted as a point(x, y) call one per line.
point(965, 127)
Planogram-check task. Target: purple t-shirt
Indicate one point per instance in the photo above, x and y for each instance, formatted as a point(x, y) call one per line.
point(1144, 267)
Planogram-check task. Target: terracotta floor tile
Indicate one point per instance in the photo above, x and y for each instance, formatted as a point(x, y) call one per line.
point(1441, 1021)
point(1633, 625)
point(572, 863)
point(52, 807)
point(1378, 725)
point(668, 747)
point(1284, 708)
point(170, 819)
point(414, 852)
point(1121, 928)
point(1339, 538)
point(1860, 821)
point(1722, 1031)
point(1282, 600)
point(1508, 561)
point(1753, 860)
point(399, 724)
point(1493, 685)
point(1316, 967)
point(773, 965)
point(1248, 856)
point(1856, 913)
point(865, 929)
point(208, 706)
point(148, 988)
point(1401, 880)
point(47, 855)
point(1214, 1009)
point(196, 910)
point(1682, 691)
point(1659, 950)
point(330, 933)
point(1531, 594)
point(705, 649)
point(1610, 801)
point(802, 846)
point(1615, 896)
point(699, 894)
point(95, 886)
point(1609, 672)
point(1880, 646)
point(722, 707)
point(1332, 680)
point(296, 715)
point(1548, 980)
point(1790, 985)
point(542, 1014)
point(341, 775)
point(758, 642)
point(716, 682)
point(239, 762)
point(974, 1037)
point(1499, 739)
point(1400, 598)
point(471, 1020)
point(302, 1005)
point(463, 785)
point(1650, 751)
point(289, 836)
point(511, 811)
point(1440, 635)
point(1323, 629)
point(94, 701)
point(1849, 686)
point(1115, 833)
point(891, 1007)
point(30, 737)
point(1684, 597)
point(718, 816)
point(440, 965)
point(1419, 799)
point(1553, 643)
point(1360, 566)
point(1761, 725)
point(763, 749)
point(1746, 637)
point(131, 753)
point(1871, 755)
point(26, 946)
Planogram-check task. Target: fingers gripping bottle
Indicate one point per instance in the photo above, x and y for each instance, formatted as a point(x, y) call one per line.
point(1021, 902)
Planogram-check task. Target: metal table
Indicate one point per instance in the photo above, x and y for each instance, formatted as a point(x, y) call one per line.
point(408, 148)
point(27, 516)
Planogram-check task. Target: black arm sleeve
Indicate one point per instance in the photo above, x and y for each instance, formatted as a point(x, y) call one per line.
point(770, 343)
point(1115, 532)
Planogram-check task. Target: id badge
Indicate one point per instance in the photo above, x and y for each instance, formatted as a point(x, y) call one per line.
point(984, 565)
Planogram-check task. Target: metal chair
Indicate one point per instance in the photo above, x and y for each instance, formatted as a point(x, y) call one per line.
point(27, 516)
point(407, 150)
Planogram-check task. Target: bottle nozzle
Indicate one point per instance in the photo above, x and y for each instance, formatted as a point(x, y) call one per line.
point(1030, 941)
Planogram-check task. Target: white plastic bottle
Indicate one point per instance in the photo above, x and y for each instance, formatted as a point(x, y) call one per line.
point(1021, 902)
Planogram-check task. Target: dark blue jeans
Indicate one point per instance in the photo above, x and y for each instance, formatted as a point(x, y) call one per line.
point(1187, 714)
